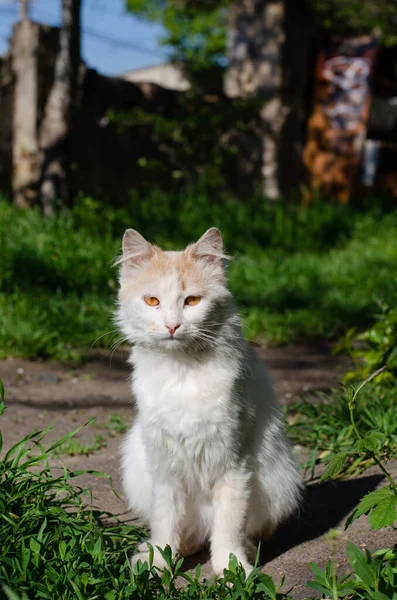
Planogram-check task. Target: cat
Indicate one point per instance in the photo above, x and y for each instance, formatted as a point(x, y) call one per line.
point(206, 458)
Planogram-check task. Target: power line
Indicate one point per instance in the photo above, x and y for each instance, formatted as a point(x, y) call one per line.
point(112, 41)
point(116, 42)
point(98, 35)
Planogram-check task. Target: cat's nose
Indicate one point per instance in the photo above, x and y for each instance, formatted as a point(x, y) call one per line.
point(173, 328)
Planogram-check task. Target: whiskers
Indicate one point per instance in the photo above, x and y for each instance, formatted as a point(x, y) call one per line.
point(115, 343)
point(112, 333)
point(213, 334)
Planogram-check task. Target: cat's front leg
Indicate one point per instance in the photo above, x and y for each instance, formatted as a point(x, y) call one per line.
point(231, 503)
point(167, 513)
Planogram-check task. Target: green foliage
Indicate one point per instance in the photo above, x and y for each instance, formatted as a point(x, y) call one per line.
point(52, 546)
point(374, 347)
point(56, 285)
point(357, 17)
point(325, 428)
point(116, 424)
point(326, 582)
point(367, 436)
point(372, 577)
point(200, 142)
point(376, 447)
point(382, 504)
point(195, 32)
point(75, 448)
point(297, 271)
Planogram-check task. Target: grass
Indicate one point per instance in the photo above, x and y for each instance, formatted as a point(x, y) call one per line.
point(324, 427)
point(298, 272)
point(328, 427)
point(75, 448)
point(116, 424)
point(52, 546)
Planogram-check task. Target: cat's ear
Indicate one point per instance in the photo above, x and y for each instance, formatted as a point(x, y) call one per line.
point(210, 246)
point(135, 249)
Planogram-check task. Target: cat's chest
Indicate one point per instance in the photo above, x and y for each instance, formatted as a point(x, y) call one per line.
point(184, 397)
point(189, 417)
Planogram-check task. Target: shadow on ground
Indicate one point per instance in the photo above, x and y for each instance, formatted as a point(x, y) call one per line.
point(324, 507)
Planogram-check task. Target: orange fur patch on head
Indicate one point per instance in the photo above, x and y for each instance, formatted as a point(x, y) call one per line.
point(188, 268)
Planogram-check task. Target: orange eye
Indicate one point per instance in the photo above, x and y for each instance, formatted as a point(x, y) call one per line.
point(192, 300)
point(152, 300)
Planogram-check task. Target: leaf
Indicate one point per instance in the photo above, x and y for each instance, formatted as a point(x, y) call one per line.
point(178, 565)
point(378, 596)
point(320, 575)
point(335, 466)
point(384, 514)
point(97, 548)
point(11, 595)
point(267, 585)
point(371, 500)
point(360, 566)
point(318, 587)
point(371, 441)
point(367, 380)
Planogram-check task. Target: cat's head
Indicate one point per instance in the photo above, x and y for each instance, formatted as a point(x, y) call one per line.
point(172, 300)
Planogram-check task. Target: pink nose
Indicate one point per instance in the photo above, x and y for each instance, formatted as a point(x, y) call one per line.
point(173, 328)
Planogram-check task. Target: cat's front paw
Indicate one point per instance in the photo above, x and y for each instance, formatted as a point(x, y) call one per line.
point(158, 560)
point(220, 561)
point(144, 556)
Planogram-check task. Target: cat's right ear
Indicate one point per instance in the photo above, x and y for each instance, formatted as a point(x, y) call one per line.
point(136, 249)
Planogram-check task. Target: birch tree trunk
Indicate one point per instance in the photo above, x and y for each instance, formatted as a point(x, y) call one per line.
point(24, 9)
point(55, 131)
point(25, 46)
point(269, 47)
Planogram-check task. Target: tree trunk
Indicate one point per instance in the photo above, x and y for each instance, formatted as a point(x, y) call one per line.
point(56, 126)
point(269, 56)
point(24, 9)
point(25, 46)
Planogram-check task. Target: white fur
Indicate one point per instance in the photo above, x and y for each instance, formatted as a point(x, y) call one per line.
point(207, 457)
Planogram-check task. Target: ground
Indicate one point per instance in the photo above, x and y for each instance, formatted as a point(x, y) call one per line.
point(42, 393)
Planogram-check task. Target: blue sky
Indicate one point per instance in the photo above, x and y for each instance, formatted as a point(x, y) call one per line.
point(113, 41)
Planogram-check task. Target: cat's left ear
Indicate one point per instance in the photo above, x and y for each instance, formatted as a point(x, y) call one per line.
point(210, 246)
point(136, 250)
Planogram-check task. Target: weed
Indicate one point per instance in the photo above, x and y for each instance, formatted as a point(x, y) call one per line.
point(373, 347)
point(372, 577)
point(325, 427)
point(116, 424)
point(74, 448)
point(371, 447)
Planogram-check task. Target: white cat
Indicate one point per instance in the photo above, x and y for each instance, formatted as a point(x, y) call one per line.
point(207, 458)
